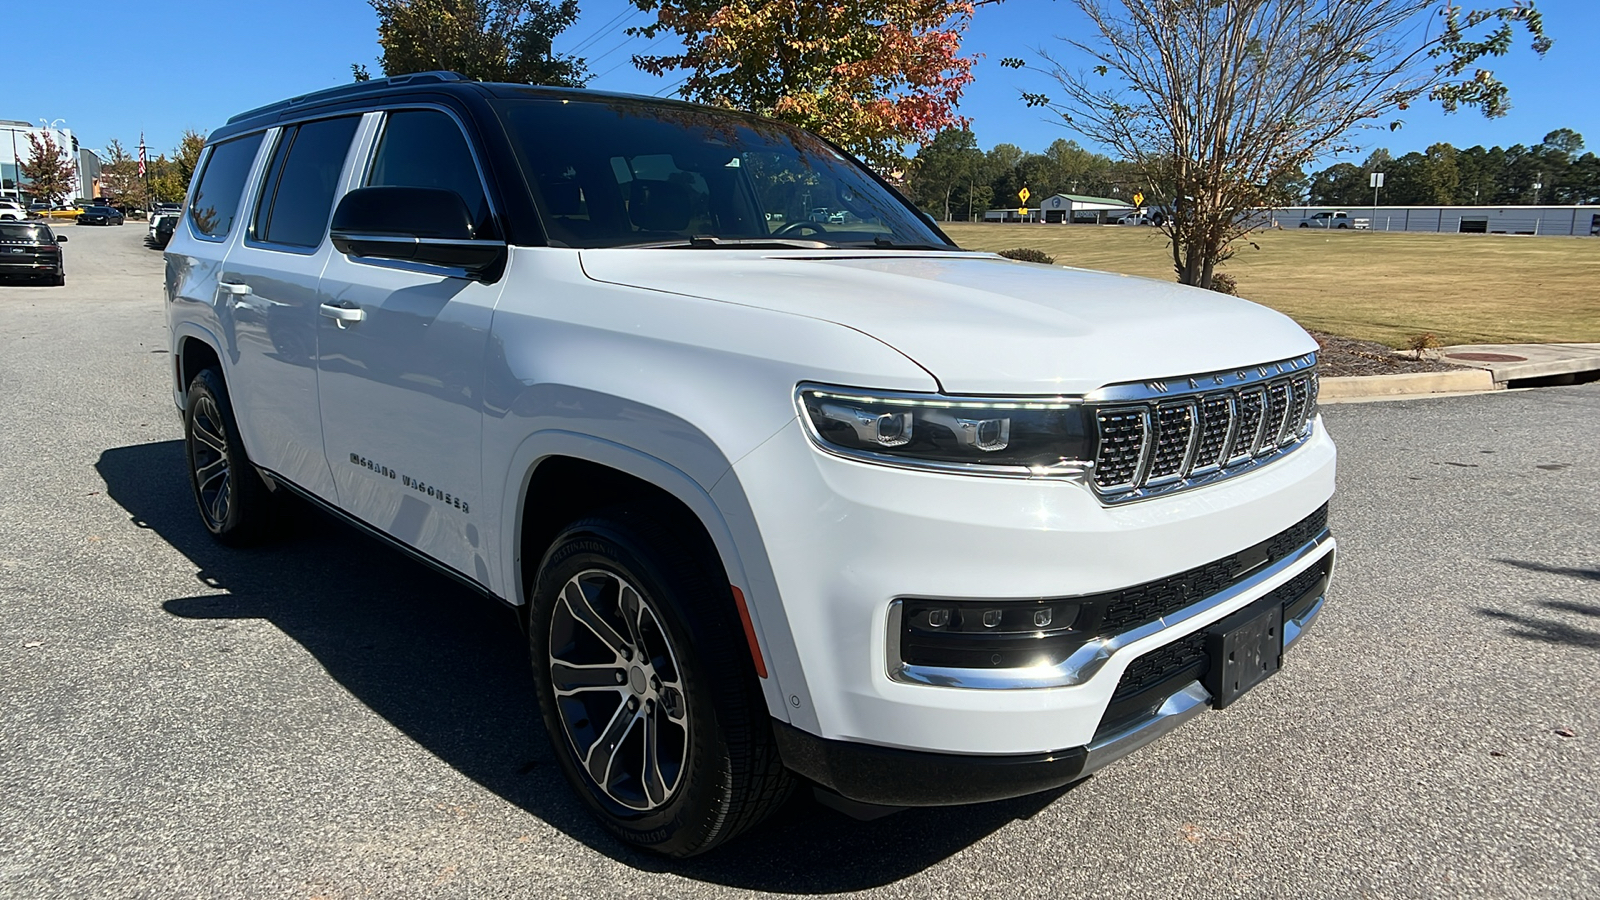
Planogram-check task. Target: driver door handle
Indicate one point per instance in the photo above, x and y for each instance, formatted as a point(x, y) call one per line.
point(234, 288)
point(343, 312)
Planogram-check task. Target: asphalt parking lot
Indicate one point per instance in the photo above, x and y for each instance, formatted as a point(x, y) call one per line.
point(323, 718)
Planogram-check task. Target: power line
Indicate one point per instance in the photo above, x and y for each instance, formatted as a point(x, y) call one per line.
point(606, 30)
point(670, 88)
point(630, 58)
point(628, 40)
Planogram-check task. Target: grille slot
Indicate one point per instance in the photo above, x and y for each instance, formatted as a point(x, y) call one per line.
point(1276, 417)
point(1299, 402)
point(1251, 406)
point(1174, 428)
point(1122, 434)
point(1153, 440)
point(1216, 422)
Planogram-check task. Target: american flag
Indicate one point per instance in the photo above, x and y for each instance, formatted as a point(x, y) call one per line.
point(141, 154)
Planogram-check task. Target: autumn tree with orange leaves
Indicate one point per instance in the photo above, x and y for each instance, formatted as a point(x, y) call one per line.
point(871, 75)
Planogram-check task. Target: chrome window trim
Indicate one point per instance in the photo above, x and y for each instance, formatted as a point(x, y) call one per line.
point(411, 239)
point(1088, 660)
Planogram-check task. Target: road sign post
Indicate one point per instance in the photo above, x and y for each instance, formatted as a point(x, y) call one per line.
point(1377, 182)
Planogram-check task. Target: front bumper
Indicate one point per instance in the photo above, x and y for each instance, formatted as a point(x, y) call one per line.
point(845, 540)
point(892, 777)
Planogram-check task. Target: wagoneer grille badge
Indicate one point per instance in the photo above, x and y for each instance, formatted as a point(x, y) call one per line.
point(1156, 437)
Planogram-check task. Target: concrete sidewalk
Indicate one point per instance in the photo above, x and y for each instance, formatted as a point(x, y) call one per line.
point(1484, 367)
point(1522, 362)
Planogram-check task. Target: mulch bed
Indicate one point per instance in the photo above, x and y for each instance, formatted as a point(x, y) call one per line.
point(1347, 356)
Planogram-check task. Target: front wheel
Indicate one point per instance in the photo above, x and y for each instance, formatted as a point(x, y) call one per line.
point(646, 687)
point(234, 503)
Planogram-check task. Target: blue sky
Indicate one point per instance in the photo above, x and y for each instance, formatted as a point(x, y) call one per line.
point(193, 63)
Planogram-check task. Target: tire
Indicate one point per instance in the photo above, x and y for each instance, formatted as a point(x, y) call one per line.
point(233, 501)
point(1304, 225)
point(716, 769)
point(60, 280)
point(1342, 227)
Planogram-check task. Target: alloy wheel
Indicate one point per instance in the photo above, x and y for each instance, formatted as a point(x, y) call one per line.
point(618, 690)
point(208, 454)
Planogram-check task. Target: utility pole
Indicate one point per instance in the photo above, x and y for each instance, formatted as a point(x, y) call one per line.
point(1538, 185)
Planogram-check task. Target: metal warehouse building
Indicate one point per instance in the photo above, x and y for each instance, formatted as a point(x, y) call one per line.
point(1537, 220)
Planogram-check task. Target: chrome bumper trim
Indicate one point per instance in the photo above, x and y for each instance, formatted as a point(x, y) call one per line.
point(1091, 657)
point(1294, 628)
point(1190, 701)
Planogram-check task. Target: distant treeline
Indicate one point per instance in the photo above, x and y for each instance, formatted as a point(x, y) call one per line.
point(1550, 172)
point(953, 179)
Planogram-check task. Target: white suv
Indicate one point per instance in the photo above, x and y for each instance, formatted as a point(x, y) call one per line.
point(12, 210)
point(782, 501)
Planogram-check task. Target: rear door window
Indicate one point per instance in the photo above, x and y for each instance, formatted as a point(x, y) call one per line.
point(297, 197)
point(216, 200)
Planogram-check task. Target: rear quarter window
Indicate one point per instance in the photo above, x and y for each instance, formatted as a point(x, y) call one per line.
point(216, 200)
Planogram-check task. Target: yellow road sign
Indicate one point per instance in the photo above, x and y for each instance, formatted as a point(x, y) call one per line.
point(1022, 211)
point(1023, 195)
point(1138, 199)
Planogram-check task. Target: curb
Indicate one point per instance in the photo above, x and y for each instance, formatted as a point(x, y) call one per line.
point(1464, 381)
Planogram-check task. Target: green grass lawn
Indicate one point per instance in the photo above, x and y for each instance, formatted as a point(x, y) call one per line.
point(1378, 286)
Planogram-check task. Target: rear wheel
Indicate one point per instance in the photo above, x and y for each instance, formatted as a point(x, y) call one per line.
point(234, 502)
point(645, 683)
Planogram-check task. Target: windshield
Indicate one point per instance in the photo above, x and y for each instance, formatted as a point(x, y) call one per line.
point(33, 234)
point(615, 173)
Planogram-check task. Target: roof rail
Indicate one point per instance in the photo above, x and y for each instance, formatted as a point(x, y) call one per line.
point(351, 90)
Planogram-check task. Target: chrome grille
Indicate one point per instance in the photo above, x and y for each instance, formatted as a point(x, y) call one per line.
point(1162, 436)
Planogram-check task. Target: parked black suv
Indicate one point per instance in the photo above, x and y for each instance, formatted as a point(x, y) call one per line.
point(31, 250)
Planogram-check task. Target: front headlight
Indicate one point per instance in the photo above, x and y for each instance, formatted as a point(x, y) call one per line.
point(1016, 437)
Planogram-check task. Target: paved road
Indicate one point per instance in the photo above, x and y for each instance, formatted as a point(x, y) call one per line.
point(325, 719)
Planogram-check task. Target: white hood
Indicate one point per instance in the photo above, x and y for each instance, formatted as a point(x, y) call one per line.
point(978, 323)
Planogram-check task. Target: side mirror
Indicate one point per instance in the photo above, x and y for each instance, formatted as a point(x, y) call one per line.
point(423, 225)
point(61, 239)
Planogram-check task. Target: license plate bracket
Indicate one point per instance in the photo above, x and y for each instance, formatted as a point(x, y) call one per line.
point(1245, 649)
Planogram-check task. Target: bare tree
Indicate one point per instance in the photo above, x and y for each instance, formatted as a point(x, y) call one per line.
point(1216, 102)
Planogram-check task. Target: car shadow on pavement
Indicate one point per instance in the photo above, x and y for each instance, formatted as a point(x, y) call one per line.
point(448, 668)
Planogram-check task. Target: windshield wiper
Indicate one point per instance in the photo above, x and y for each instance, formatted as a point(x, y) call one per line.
point(710, 242)
point(883, 243)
